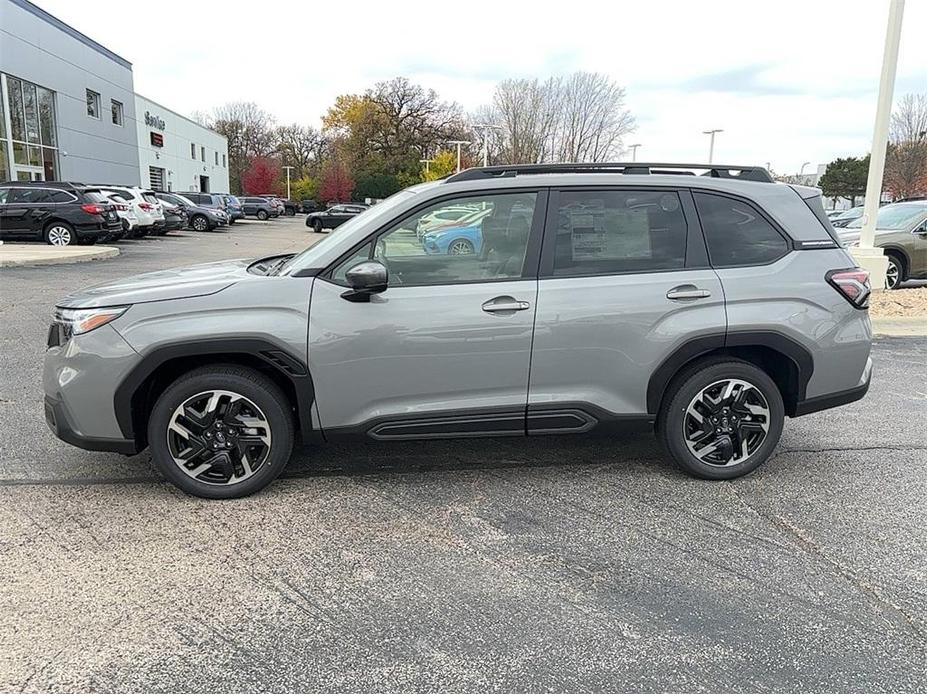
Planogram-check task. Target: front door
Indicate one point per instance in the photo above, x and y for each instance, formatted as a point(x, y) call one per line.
point(624, 282)
point(204, 184)
point(445, 350)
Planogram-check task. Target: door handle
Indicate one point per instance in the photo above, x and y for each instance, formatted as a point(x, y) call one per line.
point(503, 304)
point(687, 291)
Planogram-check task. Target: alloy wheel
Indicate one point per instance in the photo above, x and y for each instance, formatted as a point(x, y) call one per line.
point(199, 224)
point(892, 274)
point(726, 422)
point(460, 248)
point(59, 236)
point(219, 437)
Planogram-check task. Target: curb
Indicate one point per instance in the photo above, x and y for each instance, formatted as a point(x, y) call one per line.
point(21, 257)
point(900, 327)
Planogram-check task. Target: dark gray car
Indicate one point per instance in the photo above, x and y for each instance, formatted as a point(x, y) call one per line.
point(199, 217)
point(259, 207)
point(708, 307)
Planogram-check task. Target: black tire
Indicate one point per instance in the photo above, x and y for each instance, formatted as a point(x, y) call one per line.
point(245, 382)
point(290, 212)
point(460, 247)
point(59, 233)
point(895, 274)
point(672, 421)
point(317, 226)
point(262, 215)
point(199, 223)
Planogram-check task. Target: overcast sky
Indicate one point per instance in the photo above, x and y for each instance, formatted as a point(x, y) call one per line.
point(788, 81)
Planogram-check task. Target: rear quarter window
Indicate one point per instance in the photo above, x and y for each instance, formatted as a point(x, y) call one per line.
point(737, 233)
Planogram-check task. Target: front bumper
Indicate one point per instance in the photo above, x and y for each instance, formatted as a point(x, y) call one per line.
point(58, 420)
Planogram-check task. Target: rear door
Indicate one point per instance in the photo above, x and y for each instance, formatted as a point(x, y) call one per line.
point(445, 350)
point(27, 212)
point(624, 282)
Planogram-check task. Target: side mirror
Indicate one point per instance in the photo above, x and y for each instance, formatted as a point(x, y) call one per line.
point(922, 229)
point(365, 279)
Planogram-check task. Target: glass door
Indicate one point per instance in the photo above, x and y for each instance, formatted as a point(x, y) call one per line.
point(29, 173)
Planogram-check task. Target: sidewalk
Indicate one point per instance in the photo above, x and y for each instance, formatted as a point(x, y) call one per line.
point(17, 254)
point(900, 326)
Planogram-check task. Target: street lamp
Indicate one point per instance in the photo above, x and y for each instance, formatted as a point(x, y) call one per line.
point(427, 163)
point(486, 127)
point(873, 259)
point(633, 149)
point(458, 143)
point(711, 145)
point(801, 171)
point(288, 169)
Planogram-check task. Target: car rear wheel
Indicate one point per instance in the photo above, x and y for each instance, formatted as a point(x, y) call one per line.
point(262, 215)
point(894, 275)
point(221, 432)
point(60, 234)
point(721, 418)
point(317, 226)
point(199, 223)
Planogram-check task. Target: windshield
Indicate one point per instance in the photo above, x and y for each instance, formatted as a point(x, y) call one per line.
point(893, 217)
point(311, 255)
point(851, 213)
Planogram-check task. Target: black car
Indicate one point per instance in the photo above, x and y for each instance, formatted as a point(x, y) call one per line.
point(199, 218)
point(333, 217)
point(307, 206)
point(175, 216)
point(289, 206)
point(259, 207)
point(59, 213)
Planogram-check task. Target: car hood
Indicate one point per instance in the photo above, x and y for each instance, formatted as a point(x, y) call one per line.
point(178, 283)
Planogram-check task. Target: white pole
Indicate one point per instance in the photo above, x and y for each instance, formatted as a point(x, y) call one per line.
point(880, 130)
point(633, 149)
point(485, 147)
point(459, 143)
point(287, 181)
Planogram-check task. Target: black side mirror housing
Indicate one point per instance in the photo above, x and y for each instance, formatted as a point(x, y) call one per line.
point(366, 279)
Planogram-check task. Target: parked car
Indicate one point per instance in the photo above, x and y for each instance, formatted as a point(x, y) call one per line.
point(199, 218)
point(444, 218)
point(126, 215)
point(901, 229)
point(847, 216)
point(59, 213)
point(262, 208)
point(693, 304)
point(146, 207)
point(233, 208)
point(306, 206)
point(175, 216)
point(276, 202)
point(832, 214)
point(212, 201)
point(467, 237)
point(333, 217)
point(288, 206)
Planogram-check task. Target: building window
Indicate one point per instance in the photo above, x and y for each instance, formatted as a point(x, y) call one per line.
point(223, 161)
point(192, 151)
point(118, 116)
point(93, 104)
point(29, 137)
point(203, 153)
point(217, 159)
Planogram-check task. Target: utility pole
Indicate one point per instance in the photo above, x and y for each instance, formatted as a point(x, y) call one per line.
point(711, 145)
point(633, 149)
point(427, 163)
point(458, 143)
point(486, 127)
point(870, 258)
point(288, 169)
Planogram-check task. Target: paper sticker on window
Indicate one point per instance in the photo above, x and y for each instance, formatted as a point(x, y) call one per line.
point(609, 234)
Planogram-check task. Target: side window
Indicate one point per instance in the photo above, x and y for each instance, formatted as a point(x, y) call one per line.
point(736, 233)
point(4, 195)
point(489, 243)
point(618, 231)
point(60, 196)
point(30, 195)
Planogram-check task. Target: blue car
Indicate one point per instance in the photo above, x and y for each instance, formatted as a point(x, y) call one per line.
point(233, 208)
point(464, 240)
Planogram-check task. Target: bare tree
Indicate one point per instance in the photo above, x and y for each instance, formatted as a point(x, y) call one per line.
point(300, 146)
point(525, 110)
point(249, 131)
point(906, 159)
point(909, 119)
point(591, 117)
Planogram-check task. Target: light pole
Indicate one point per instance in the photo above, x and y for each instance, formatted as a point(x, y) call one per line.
point(427, 163)
point(458, 143)
point(873, 259)
point(288, 169)
point(801, 171)
point(711, 144)
point(633, 149)
point(486, 127)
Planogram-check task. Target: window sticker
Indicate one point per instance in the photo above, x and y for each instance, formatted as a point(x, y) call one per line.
point(609, 234)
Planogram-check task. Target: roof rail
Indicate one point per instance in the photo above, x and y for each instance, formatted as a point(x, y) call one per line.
point(742, 173)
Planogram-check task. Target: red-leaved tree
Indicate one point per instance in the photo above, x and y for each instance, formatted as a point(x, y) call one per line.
point(337, 184)
point(260, 177)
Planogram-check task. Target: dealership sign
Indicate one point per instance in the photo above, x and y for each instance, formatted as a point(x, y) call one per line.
point(154, 121)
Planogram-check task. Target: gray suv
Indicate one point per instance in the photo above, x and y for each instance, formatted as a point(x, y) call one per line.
point(593, 296)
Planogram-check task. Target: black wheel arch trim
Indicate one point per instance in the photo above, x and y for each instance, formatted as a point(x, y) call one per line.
point(905, 258)
point(706, 344)
point(274, 355)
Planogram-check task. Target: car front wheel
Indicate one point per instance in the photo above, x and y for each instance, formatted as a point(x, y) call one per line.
point(721, 418)
point(200, 223)
point(894, 274)
point(221, 432)
point(317, 226)
point(60, 234)
point(262, 215)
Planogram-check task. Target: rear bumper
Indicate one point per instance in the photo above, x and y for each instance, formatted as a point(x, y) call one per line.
point(843, 397)
point(56, 416)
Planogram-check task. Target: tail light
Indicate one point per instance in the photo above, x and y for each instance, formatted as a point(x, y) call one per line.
point(91, 208)
point(853, 285)
point(144, 206)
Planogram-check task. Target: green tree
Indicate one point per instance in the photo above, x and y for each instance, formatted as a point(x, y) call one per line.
point(376, 185)
point(442, 164)
point(845, 178)
point(305, 188)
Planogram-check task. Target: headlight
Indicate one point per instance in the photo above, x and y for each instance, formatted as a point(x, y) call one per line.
point(80, 321)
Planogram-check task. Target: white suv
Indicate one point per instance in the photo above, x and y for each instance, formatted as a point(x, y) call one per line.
point(145, 205)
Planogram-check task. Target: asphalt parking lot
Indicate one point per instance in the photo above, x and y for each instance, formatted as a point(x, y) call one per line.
point(550, 564)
